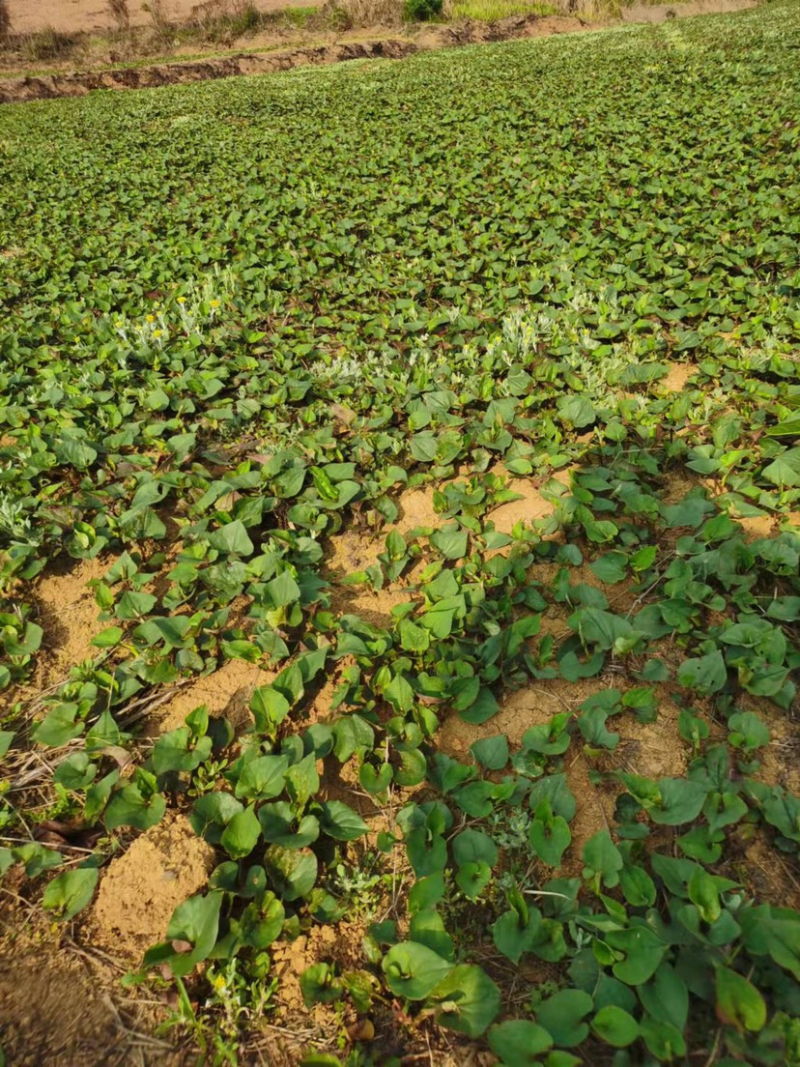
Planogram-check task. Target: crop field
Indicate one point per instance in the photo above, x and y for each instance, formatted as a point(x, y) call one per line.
point(399, 551)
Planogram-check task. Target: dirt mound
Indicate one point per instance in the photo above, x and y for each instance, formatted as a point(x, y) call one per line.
point(67, 612)
point(140, 890)
point(225, 692)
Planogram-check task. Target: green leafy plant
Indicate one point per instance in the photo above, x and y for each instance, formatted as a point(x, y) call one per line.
point(421, 10)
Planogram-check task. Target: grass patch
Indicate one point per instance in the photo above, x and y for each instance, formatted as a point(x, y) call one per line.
point(47, 44)
point(299, 17)
point(343, 15)
point(491, 10)
point(224, 21)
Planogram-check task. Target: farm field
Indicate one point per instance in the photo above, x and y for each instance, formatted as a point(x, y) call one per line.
point(399, 552)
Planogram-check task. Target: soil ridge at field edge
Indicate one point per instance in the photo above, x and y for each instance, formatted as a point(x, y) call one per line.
point(79, 83)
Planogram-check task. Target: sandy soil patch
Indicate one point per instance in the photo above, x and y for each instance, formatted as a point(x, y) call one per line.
point(140, 889)
point(351, 552)
point(67, 611)
point(225, 692)
point(356, 550)
point(530, 507)
point(653, 750)
point(679, 374)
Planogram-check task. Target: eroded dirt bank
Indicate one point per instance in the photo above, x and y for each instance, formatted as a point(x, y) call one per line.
point(49, 86)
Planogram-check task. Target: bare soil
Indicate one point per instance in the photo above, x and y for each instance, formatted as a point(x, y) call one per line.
point(62, 1005)
point(225, 692)
point(677, 377)
point(140, 889)
point(93, 16)
point(47, 86)
point(67, 612)
point(681, 9)
point(51, 1013)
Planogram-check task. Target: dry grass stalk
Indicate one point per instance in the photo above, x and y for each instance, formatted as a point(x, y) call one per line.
point(5, 19)
point(118, 9)
point(349, 14)
point(227, 19)
point(47, 44)
point(158, 17)
point(29, 767)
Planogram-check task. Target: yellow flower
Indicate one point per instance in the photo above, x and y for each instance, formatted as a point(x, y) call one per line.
point(215, 303)
point(157, 333)
point(181, 299)
point(218, 982)
point(151, 318)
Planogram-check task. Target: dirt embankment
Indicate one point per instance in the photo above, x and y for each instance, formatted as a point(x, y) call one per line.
point(16, 90)
point(45, 87)
point(48, 86)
